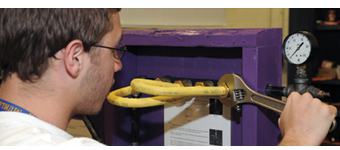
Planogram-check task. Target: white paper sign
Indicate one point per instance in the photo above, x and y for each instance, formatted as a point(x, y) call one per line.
point(197, 121)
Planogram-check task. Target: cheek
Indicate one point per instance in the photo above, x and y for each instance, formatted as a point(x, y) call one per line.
point(108, 75)
point(108, 69)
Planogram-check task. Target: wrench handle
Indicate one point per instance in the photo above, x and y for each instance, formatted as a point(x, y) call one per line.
point(277, 105)
point(268, 102)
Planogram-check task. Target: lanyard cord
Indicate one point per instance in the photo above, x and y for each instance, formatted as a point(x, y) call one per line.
point(7, 106)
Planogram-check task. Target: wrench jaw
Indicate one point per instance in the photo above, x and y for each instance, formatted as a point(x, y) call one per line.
point(240, 93)
point(236, 93)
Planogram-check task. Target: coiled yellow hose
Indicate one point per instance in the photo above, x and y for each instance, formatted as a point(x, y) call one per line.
point(165, 92)
point(154, 88)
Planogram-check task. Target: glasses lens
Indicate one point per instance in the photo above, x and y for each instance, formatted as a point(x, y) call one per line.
point(120, 53)
point(120, 46)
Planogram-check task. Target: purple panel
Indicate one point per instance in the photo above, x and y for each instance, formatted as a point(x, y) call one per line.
point(186, 67)
point(201, 37)
point(269, 71)
point(249, 112)
point(255, 127)
point(266, 119)
point(259, 124)
point(117, 121)
point(203, 68)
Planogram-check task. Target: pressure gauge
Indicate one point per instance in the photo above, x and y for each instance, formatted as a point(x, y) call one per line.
point(299, 47)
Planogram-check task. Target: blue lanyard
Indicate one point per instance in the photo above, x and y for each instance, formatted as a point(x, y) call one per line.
point(7, 106)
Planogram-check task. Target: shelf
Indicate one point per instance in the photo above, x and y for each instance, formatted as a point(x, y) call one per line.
point(329, 143)
point(327, 82)
point(327, 27)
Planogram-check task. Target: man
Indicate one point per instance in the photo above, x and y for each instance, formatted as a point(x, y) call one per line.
point(58, 62)
point(52, 70)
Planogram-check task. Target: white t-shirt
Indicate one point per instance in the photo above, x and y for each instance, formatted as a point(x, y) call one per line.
point(19, 129)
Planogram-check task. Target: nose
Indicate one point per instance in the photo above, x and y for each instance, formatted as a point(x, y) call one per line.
point(118, 65)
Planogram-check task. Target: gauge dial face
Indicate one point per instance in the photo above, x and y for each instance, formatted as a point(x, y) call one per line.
point(297, 48)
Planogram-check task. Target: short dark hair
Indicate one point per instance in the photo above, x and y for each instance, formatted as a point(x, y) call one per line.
point(29, 37)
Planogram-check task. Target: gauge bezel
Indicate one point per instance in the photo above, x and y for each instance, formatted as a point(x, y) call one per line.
point(313, 42)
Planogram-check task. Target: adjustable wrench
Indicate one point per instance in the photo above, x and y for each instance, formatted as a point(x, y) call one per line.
point(240, 93)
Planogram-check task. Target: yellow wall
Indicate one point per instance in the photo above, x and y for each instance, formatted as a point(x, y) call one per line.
point(175, 18)
point(258, 18)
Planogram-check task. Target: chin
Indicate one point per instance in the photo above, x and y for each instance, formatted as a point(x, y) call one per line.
point(90, 109)
point(93, 112)
point(96, 110)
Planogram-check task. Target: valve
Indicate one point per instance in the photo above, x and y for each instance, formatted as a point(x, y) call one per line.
point(301, 86)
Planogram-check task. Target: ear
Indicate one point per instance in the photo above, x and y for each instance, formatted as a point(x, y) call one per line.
point(74, 58)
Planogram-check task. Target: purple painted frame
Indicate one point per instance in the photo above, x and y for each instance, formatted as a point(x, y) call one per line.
point(261, 63)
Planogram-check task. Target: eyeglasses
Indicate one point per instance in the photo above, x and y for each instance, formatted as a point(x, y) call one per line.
point(118, 52)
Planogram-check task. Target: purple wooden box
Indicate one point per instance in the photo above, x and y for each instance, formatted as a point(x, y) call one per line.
point(255, 54)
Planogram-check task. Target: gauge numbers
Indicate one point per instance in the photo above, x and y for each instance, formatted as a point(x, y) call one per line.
point(297, 48)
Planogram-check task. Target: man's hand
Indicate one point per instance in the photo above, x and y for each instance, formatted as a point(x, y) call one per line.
point(305, 120)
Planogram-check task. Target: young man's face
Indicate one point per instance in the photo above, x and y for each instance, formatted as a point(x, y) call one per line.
point(100, 75)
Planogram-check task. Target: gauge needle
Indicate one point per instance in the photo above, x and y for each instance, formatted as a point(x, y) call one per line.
point(297, 49)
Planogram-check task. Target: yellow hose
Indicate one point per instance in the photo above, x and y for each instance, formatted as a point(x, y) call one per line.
point(116, 98)
point(167, 92)
point(148, 87)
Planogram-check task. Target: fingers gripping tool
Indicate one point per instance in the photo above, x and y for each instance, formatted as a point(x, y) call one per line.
point(239, 93)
